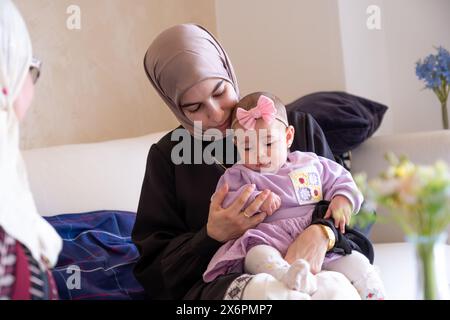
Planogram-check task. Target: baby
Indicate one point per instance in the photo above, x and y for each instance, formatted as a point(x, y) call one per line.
point(297, 181)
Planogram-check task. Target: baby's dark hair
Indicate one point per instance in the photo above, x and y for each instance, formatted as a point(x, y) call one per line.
point(249, 101)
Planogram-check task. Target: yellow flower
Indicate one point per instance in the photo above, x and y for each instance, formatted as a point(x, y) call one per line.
point(405, 169)
point(417, 196)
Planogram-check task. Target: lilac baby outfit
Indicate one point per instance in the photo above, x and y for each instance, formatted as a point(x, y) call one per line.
point(301, 182)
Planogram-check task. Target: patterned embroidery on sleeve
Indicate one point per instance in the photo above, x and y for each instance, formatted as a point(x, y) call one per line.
point(7, 264)
point(237, 287)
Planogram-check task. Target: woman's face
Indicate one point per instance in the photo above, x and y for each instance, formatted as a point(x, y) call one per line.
point(212, 102)
point(23, 100)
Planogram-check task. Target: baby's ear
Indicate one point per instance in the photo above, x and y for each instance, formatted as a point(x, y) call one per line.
point(290, 132)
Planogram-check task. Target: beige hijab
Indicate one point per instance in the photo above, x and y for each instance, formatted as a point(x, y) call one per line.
point(179, 58)
point(18, 214)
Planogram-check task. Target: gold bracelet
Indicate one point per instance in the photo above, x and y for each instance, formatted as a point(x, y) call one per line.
point(330, 236)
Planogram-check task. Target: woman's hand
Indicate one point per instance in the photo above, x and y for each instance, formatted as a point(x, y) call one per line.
point(310, 245)
point(232, 222)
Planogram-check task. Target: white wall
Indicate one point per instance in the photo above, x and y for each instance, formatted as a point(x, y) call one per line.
point(380, 64)
point(287, 47)
point(293, 47)
point(365, 56)
point(93, 85)
point(414, 27)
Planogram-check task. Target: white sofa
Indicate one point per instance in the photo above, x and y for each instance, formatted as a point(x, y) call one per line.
point(108, 176)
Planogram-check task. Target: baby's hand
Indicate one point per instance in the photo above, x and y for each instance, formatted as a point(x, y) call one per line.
point(340, 209)
point(271, 204)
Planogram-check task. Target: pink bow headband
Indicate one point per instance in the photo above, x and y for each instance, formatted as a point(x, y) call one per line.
point(265, 109)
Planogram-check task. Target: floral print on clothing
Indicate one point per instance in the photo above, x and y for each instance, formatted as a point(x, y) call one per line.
point(314, 178)
point(307, 184)
point(304, 194)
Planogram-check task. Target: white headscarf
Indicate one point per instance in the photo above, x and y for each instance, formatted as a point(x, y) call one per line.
point(18, 214)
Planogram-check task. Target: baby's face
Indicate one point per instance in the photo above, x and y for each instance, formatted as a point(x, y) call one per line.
point(265, 148)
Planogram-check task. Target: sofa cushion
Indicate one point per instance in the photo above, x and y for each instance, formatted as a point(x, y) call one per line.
point(347, 120)
point(89, 177)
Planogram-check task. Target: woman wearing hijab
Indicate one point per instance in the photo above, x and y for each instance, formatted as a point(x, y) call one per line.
point(180, 222)
point(29, 246)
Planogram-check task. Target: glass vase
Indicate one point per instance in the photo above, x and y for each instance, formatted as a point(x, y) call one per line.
point(444, 114)
point(430, 265)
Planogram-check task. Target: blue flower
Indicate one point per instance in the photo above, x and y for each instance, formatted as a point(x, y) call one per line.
point(444, 63)
point(435, 69)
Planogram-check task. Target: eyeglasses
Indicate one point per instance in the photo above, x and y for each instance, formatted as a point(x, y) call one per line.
point(35, 69)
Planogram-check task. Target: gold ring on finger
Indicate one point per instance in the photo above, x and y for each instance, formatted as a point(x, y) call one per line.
point(246, 214)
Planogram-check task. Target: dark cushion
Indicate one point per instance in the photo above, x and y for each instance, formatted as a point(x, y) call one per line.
point(346, 120)
point(309, 136)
